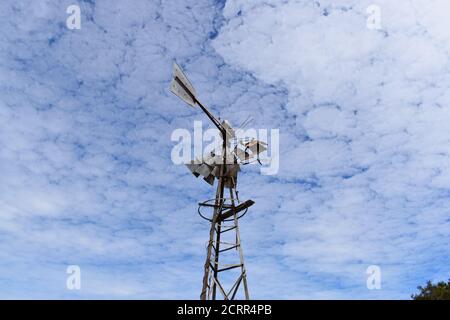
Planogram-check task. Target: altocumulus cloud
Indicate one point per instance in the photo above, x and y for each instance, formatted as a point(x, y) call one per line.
point(371, 134)
point(85, 124)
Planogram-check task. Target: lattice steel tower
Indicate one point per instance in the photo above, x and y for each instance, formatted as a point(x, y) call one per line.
point(224, 259)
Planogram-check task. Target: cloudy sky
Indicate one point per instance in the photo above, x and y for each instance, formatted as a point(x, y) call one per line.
point(86, 119)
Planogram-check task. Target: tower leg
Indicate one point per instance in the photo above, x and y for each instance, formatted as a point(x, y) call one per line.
point(206, 281)
point(238, 243)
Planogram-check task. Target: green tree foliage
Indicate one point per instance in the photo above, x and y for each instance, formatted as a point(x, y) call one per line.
point(439, 291)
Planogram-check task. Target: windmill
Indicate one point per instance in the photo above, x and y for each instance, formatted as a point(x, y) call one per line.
point(224, 211)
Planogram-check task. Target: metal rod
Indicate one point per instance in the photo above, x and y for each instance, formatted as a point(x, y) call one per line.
point(219, 222)
point(241, 253)
point(211, 117)
point(238, 282)
point(229, 229)
point(217, 210)
point(230, 267)
point(229, 248)
point(210, 244)
point(205, 110)
point(213, 205)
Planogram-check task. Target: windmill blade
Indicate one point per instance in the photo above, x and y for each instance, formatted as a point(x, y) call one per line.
point(182, 87)
point(193, 168)
point(216, 171)
point(256, 146)
point(241, 154)
point(251, 149)
point(204, 170)
point(209, 179)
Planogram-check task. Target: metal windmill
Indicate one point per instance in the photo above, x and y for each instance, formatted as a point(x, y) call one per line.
point(225, 211)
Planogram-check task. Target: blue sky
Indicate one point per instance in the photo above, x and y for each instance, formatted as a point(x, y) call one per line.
point(85, 124)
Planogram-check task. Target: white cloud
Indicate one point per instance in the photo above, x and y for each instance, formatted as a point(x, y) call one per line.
point(372, 108)
point(85, 123)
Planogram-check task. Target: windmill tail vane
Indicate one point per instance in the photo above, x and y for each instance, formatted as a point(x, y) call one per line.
point(225, 274)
